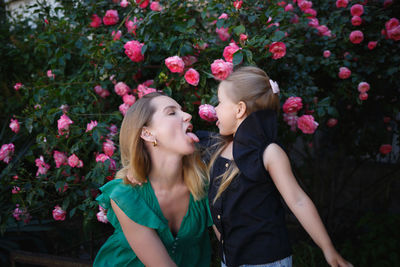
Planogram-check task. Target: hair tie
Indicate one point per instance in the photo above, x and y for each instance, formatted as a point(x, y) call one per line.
point(274, 86)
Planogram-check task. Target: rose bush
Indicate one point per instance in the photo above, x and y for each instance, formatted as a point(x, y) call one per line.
point(68, 80)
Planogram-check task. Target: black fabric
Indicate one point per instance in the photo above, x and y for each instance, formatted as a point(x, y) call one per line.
point(249, 214)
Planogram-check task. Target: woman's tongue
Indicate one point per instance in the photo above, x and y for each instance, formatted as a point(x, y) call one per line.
point(193, 137)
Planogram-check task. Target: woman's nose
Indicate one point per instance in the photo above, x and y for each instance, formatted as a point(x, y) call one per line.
point(187, 116)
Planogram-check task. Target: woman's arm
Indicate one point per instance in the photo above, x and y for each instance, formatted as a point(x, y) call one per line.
point(143, 240)
point(277, 164)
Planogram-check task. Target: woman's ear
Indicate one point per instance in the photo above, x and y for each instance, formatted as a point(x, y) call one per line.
point(241, 110)
point(146, 135)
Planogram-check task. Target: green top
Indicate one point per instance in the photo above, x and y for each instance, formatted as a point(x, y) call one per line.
point(191, 246)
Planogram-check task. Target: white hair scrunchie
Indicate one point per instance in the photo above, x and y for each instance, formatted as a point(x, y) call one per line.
point(274, 86)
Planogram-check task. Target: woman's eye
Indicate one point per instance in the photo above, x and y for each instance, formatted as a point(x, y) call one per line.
point(171, 113)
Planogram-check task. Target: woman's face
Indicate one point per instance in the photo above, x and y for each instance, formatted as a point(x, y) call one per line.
point(226, 110)
point(171, 127)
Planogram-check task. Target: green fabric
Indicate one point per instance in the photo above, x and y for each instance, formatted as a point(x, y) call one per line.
point(191, 246)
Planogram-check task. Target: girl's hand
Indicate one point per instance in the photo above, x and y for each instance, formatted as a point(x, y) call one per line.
point(132, 179)
point(335, 260)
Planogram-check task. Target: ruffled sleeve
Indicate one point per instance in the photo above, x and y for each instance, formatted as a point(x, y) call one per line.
point(130, 201)
point(253, 135)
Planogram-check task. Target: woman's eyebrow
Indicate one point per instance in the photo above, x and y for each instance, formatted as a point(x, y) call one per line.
point(172, 107)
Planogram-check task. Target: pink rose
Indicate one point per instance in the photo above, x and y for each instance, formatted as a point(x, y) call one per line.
point(311, 12)
point(292, 105)
point(307, 124)
point(192, 77)
point(43, 167)
point(223, 16)
point(344, 73)
point(131, 26)
point(363, 87)
point(237, 4)
point(103, 157)
point(6, 152)
point(102, 215)
point(356, 37)
point(142, 3)
point(175, 64)
point(385, 149)
point(101, 92)
point(314, 23)
point(74, 161)
point(121, 89)
point(50, 74)
point(289, 7)
point(133, 49)
point(304, 5)
point(372, 44)
point(155, 6)
point(111, 17)
point(387, 3)
point(96, 21)
point(17, 86)
point(331, 122)
point(59, 214)
point(341, 3)
point(20, 214)
point(278, 50)
point(123, 108)
point(223, 33)
point(208, 113)
point(189, 60)
point(124, 3)
point(221, 69)
point(327, 53)
point(108, 147)
point(15, 190)
point(394, 33)
point(229, 51)
point(129, 99)
point(294, 19)
point(116, 35)
point(60, 158)
point(324, 31)
point(90, 126)
point(391, 24)
point(14, 125)
point(243, 37)
point(357, 10)
point(363, 96)
point(144, 90)
point(63, 124)
point(356, 21)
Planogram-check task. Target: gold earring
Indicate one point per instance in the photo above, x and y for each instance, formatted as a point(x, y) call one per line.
point(155, 142)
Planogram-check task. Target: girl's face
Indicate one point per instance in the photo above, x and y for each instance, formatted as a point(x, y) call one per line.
point(171, 127)
point(226, 110)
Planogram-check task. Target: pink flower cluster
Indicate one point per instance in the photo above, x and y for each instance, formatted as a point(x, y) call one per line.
point(133, 49)
point(17, 86)
point(175, 64)
point(103, 93)
point(43, 167)
point(278, 50)
point(96, 21)
point(344, 73)
point(305, 123)
point(121, 89)
point(229, 50)
point(60, 158)
point(363, 88)
point(223, 33)
point(207, 113)
point(392, 29)
point(74, 161)
point(21, 214)
point(90, 126)
point(144, 88)
point(14, 125)
point(111, 17)
point(237, 4)
point(221, 69)
point(6, 152)
point(192, 77)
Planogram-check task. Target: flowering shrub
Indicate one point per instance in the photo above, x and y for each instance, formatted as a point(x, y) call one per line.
point(68, 80)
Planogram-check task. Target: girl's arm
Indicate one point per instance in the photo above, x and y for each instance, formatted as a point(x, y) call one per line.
point(277, 164)
point(217, 233)
point(143, 240)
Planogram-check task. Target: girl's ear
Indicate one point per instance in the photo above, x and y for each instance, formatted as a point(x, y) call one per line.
point(241, 110)
point(146, 135)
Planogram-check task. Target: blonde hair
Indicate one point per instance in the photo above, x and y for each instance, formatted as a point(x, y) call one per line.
point(250, 85)
point(135, 157)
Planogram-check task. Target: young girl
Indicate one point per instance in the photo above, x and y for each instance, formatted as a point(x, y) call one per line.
point(162, 222)
point(250, 172)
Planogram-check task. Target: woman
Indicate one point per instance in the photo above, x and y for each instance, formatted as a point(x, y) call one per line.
point(163, 220)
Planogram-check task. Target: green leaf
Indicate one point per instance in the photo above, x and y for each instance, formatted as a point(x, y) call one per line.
point(144, 48)
point(239, 29)
point(278, 35)
point(237, 58)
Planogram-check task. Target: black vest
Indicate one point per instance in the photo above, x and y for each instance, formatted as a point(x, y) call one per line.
point(249, 214)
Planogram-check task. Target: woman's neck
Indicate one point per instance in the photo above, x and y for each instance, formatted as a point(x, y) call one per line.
point(166, 171)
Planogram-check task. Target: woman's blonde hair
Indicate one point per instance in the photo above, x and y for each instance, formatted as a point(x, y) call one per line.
point(252, 86)
point(135, 157)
